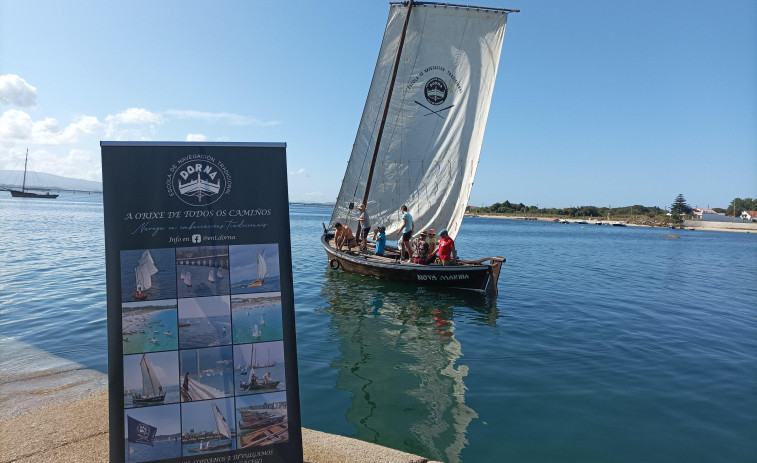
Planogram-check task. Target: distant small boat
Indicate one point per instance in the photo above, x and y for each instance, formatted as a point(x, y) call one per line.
point(153, 340)
point(211, 277)
point(582, 222)
point(262, 320)
point(255, 331)
point(187, 279)
point(618, 224)
point(27, 194)
point(219, 273)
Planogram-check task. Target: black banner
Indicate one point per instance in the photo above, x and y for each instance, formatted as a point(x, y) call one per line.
point(202, 357)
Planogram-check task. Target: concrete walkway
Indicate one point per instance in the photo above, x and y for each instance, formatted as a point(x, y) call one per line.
point(62, 417)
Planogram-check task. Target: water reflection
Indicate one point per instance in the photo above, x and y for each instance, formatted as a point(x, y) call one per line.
point(400, 361)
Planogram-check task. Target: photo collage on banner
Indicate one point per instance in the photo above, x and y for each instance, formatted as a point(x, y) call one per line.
point(203, 351)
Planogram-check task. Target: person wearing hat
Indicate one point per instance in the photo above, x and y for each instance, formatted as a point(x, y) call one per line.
point(447, 251)
point(365, 222)
point(433, 242)
point(421, 248)
point(380, 241)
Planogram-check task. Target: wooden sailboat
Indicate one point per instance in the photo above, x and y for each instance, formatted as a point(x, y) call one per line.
point(262, 270)
point(143, 273)
point(222, 428)
point(253, 383)
point(23, 193)
point(420, 137)
point(152, 391)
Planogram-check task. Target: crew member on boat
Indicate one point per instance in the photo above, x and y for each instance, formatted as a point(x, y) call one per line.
point(381, 241)
point(421, 249)
point(365, 222)
point(267, 378)
point(432, 241)
point(344, 236)
point(406, 230)
point(447, 251)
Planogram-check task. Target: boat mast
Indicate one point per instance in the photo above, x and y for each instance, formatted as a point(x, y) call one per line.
point(386, 109)
point(23, 185)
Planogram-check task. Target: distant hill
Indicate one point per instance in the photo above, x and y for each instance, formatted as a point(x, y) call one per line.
point(14, 178)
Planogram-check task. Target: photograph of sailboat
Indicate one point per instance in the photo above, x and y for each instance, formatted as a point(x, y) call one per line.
point(152, 433)
point(148, 274)
point(254, 268)
point(259, 368)
point(206, 373)
point(262, 420)
point(257, 317)
point(202, 271)
point(208, 426)
point(153, 379)
point(204, 322)
point(149, 326)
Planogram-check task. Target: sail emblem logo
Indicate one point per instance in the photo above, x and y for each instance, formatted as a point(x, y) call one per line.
point(199, 181)
point(143, 432)
point(435, 91)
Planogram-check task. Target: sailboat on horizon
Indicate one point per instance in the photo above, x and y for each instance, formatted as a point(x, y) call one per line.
point(23, 193)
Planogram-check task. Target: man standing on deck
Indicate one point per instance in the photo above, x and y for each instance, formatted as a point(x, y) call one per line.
point(406, 231)
point(365, 222)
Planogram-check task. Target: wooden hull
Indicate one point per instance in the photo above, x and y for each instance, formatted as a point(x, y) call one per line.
point(149, 400)
point(476, 275)
point(26, 194)
point(259, 387)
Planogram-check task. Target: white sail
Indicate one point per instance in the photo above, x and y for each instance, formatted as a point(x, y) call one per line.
point(188, 279)
point(434, 129)
point(221, 424)
point(211, 277)
point(262, 266)
point(144, 271)
point(150, 383)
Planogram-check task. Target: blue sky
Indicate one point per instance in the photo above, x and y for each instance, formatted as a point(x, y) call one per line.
point(596, 102)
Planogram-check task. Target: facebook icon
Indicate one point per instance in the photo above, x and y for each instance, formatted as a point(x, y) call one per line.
point(196, 238)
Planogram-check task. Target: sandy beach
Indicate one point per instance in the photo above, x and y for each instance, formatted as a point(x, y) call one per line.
point(242, 303)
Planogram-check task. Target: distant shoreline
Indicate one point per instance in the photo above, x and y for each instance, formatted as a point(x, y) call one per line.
point(696, 225)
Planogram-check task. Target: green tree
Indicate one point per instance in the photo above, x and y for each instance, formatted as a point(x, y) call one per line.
point(680, 206)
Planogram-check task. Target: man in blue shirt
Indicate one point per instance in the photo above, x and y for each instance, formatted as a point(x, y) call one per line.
point(381, 241)
point(406, 231)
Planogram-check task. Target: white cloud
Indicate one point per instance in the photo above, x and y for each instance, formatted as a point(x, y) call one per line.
point(18, 126)
point(219, 118)
point(132, 124)
point(196, 137)
point(77, 163)
point(16, 91)
point(299, 172)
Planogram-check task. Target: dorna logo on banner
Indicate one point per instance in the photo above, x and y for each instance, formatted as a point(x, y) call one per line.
point(198, 180)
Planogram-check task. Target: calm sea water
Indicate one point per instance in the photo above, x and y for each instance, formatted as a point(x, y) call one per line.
point(604, 344)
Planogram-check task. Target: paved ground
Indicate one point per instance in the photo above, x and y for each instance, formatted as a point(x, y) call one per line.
point(62, 417)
